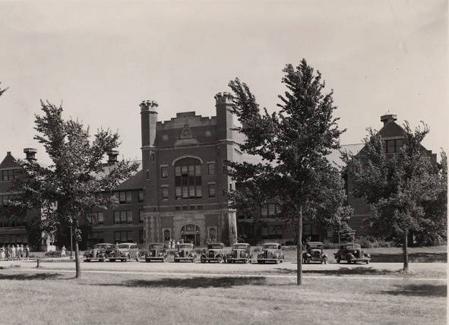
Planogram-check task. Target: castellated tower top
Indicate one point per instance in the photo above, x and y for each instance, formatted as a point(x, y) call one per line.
point(149, 105)
point(223, 98)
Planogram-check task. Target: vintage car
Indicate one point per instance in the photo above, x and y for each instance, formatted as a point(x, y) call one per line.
point(98, 252)
point(124, 252)
point(271, 253)
point(240, 252)
point(352, 253)
point(185, 253)
point(156, 253)
point(213, 253)
point(314, 253)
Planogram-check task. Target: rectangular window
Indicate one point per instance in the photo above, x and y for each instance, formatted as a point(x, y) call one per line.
point(100, 218)
point(390, 146)
point(271, 209)
point(164, 192)
point(141, 216)
point(125, 197)
point(164, 171)
point(211, 168)
point(123, 217)
point(178, 192)
point(7, 175)
point(178, 171)
point(211, 190)
point(264, 211)
point(140, 198)
point(116, 217)
point(122, 236)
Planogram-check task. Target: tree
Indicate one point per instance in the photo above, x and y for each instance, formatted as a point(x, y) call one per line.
point(293, 144)
point(406, 191)
point(253, 191)
point(77, 180)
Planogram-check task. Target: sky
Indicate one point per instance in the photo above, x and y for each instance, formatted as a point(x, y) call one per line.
point(100, 59)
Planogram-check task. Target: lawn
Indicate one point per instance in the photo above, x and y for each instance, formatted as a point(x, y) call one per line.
point(53, 298)
point(388, 255)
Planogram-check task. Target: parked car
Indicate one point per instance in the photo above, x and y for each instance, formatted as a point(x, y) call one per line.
point(185, 253)
point(240, 252)
point(98, 252)
point(213, 253)
point(124, 252)
point(314, 253)
point(156, 252)
point(352, 253)
point(271, 253)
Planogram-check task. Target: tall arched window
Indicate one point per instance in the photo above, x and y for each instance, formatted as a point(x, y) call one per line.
point(188, 178)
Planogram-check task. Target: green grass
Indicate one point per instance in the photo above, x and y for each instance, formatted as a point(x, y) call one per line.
point(52, 298)
point(388, 255)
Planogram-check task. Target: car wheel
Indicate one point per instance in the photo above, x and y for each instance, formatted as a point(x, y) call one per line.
point(338, 260)
point(87, 260)
point(367, 262)
point(112, 260)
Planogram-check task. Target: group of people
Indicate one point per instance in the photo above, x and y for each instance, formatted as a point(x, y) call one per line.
point(14, 252)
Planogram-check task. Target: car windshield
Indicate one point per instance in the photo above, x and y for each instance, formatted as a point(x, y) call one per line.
point(102, 246)
point(270, 246)
point(353, 247)
point(215, 246)
point(239, 246)
point(185, 246)
point(123, 246)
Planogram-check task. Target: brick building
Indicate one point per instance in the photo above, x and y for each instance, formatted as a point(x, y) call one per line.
point(393, 136)
point(185, 177)
point(12, 227)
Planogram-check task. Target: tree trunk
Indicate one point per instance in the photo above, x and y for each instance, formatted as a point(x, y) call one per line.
point(299, 249)
point(77, 261)
point(404, 251)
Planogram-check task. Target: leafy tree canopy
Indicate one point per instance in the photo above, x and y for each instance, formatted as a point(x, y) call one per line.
point(292, 144)
point(77, 180)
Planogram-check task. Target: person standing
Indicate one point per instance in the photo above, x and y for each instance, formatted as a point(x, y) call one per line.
point(2, 253)
point(13, 252)
point(63, 251)
point(27, 251)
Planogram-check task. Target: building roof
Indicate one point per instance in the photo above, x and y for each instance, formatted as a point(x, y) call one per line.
point(9, 162)
point(135, 182)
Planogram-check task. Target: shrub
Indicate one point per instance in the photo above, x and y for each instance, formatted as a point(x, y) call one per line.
point(371, 242)
point(53, 254)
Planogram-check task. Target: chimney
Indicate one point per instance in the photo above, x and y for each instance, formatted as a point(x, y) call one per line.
point(223, 105)
point(30, 154)
point(387, 118)
point(112, 157)
point(148, 112)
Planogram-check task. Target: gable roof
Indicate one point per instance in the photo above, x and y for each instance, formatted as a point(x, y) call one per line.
point(135, 182)
point(9, 162)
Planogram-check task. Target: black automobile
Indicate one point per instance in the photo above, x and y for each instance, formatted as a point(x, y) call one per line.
point(314, 253)
point(156, 253)
point(185, 253)
point(240, 253)
point(213, 253)
point(98, 252)
point(271, 253)
point(352, 253)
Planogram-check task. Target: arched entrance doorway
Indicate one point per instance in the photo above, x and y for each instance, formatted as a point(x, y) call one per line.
point(191, 234)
